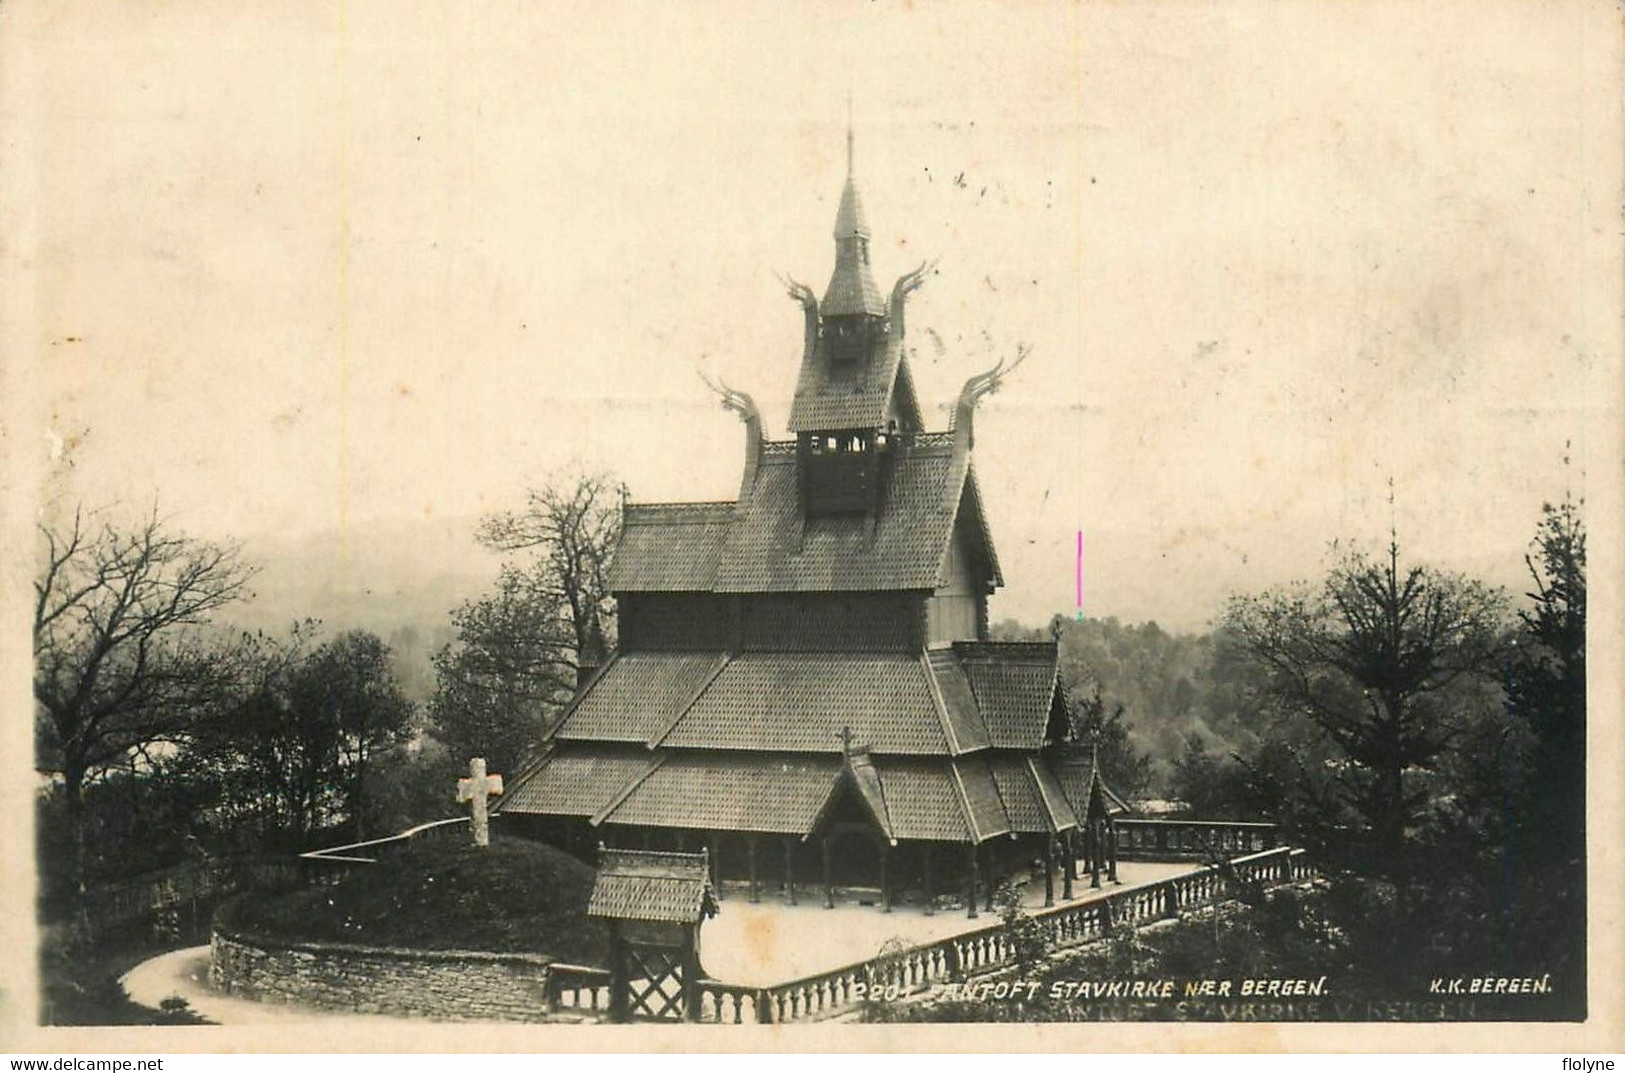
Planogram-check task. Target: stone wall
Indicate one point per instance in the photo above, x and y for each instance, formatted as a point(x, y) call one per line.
point(450, 985)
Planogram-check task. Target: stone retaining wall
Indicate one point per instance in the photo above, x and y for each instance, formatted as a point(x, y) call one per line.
point(449, 985)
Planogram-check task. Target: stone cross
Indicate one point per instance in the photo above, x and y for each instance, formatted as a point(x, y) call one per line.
point(475, 789)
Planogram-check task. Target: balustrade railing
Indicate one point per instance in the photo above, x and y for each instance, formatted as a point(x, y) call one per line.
point(987, 949)
point(577, 987)
point(968, 954)
point(1178, 840)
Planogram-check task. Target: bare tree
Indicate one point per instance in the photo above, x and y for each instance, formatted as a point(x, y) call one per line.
point(1381, 659)
point(119, 661)
point(571, 523)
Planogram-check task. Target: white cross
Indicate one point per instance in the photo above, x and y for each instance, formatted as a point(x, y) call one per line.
point(476, 788)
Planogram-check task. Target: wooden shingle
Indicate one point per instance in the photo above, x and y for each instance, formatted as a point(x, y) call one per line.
point(670, 888)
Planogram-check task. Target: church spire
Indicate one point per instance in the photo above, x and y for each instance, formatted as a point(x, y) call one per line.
point(852, 290)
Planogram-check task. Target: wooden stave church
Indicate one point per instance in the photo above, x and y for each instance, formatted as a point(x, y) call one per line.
point(803, 683)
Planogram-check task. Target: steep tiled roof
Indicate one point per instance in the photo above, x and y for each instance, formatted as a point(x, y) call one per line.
point(922, 800)
point(1014, 686)
point(1051, 794)
point(965, 728)
point(1032, 798)
point(768, 545)
point(983, 807)
point(862, 774)
point(636, 696)
point(738, 793)
point(669, 547)
point(1080, 780)
point(640, 885)
point(772, 548)
point(832, 395)
point(575, 781)
point(801, 702)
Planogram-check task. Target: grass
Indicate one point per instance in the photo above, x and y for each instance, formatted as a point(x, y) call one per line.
point(513, 896)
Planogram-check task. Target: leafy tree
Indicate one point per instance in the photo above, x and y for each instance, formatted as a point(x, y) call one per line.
point(349, 684)
point(1121, 765)
point(505, 674)
point(289, 751)
point(1389, 664)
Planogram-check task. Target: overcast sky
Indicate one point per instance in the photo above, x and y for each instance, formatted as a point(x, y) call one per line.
point(303, 269)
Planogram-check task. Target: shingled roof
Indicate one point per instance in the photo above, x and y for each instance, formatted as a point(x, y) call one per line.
point(768, 545)
point(947, 702)
point(670, 547)
point(832, 395)
point(1015, 686)
point(637, 696)
point(723, 793)
point(575, 781)
point(971, 798)
point(801, 701)
point(643, 885)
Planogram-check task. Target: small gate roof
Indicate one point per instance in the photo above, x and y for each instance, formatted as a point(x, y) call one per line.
point(672, 888)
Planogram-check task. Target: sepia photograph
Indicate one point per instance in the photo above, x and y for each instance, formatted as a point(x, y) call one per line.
point(851, 522)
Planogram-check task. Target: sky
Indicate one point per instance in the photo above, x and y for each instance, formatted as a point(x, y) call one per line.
point(1290, 274)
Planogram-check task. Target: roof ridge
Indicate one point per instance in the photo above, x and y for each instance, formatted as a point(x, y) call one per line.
point(694, 506)
point(972, 828)
point(1004, 806)
point(693, 698)
point(941, 705)
point(619, 799)
point(1043, 794)
point(576, 701)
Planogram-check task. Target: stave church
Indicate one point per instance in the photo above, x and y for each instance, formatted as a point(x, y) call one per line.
point(804, 685)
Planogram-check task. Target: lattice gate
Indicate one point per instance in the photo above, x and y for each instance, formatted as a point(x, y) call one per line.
point(657, 983)
point(652, 905)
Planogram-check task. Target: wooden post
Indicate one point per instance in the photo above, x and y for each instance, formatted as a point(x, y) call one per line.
point(1049, 871)
point(1111, 851)
point(1069, 869)
point(829, 878)
point(619, 986)
point(691, 973)
point(970, 900)
point(885, 879)
point(989, 883)
point(925, 878)
point(750, 852)
point(713, 850)
point(790, 868)
point(1094, 855)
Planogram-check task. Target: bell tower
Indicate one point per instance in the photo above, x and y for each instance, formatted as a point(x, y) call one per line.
point(840, 462)
point(854, 313)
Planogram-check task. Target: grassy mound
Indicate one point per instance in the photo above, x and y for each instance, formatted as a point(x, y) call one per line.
point(513, 896)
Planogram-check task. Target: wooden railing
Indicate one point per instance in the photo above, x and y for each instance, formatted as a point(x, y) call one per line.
point(1182, 840)
point(328, 866)
point(987, 949)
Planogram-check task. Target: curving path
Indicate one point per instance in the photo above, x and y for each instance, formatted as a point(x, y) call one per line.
point(185, 974)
